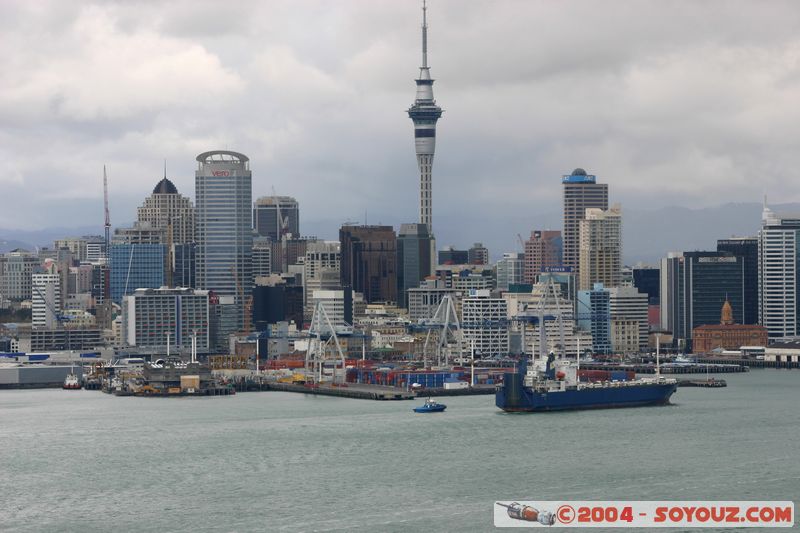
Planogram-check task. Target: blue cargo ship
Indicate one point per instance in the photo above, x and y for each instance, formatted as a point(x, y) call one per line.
point(550, 385)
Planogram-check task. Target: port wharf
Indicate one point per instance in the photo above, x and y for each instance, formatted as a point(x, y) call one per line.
point(710, 383)
point(716, 367)
point(363, 392)
point(750, 363)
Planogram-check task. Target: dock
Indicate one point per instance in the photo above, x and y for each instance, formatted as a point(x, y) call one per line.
point(711, 383)
point(361, 392)
point(750, 363)
point(473, 391)
point(700, 368)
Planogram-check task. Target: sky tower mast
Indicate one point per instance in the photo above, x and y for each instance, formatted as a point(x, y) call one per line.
point(108, 216)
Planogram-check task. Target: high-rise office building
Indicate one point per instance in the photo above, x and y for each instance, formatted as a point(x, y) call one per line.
point(278, 302)
point(509, 270)
point(184, 265)
point(169, 215)
point(87, 249)
point(450, 256)
point(168, 210)
point(694, 286)
point(594, 315)
point(16, 268)
point(425, 113)
point(484, 324)
point(224, 196)
point(46, 298)
point(646, 280)
point(338, 308)
point(600, 248)
point(262, 257)
point(478, 254)
point(140, 233)
point(321, 269)
point(276, 217)
point(155, 318)
point(413, 259)
point(581, 192)
point(778, 273)
point(629, 319)
point(136, 266)
point(369, 261)
point(542, 251)
point(747, 249)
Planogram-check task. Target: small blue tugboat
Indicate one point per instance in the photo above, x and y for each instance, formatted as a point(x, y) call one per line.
point(431, 406)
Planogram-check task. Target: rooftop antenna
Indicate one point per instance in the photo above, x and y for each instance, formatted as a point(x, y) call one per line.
point(165, 168)
point(424, 34)
point(108, 216)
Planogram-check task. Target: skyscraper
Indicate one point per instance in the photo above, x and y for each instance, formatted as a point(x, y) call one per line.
point(778, 265)
point(580, 192)
point(46, 298)
point(224, 196)
point(747, 249)
point(165, 208)
point(478, 254)
point(542, 250)
point(369, 261)
point(425, 113)
point(276, 217)
point(136, 266)
point(600, 248)
point(509, 270)
point(171, 215)
point(413, 258)
point(694, 285)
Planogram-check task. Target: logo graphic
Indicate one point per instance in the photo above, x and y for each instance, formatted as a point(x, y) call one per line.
point(529, 514)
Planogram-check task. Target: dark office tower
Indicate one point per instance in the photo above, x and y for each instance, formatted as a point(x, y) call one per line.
point(449, 256)
point(647, 281)
point(694, 287)
point(369, 261)
point(478, 254)
point(746, 248)
point(224, 196)
point(277, 303)
point(413, 258)
point(184, 258)
point(580, 193)
point(276, 217)
point(542, 251)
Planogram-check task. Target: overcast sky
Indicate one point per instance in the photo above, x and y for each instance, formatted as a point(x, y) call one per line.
point(671, 103)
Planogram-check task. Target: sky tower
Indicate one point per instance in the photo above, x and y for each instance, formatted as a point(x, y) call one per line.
point(425, 113)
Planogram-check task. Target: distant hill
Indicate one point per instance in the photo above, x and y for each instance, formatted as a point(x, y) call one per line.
point(648, 234)
point(31, 239)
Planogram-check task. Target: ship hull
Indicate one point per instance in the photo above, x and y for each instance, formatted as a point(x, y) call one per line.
point(513, 397)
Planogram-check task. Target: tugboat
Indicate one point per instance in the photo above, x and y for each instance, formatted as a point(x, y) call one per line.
point(552, 385)
point(71, 382)
point(431, 406)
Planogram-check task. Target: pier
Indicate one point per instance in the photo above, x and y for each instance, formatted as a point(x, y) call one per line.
point(473, 391)
point(716, 367)
point(711, 383)
point(362, 392)
point(751, 363)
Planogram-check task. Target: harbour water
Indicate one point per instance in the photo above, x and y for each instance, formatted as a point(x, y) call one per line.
point(276, 461)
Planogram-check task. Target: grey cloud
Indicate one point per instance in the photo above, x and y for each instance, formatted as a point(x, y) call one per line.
point(687, 103)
